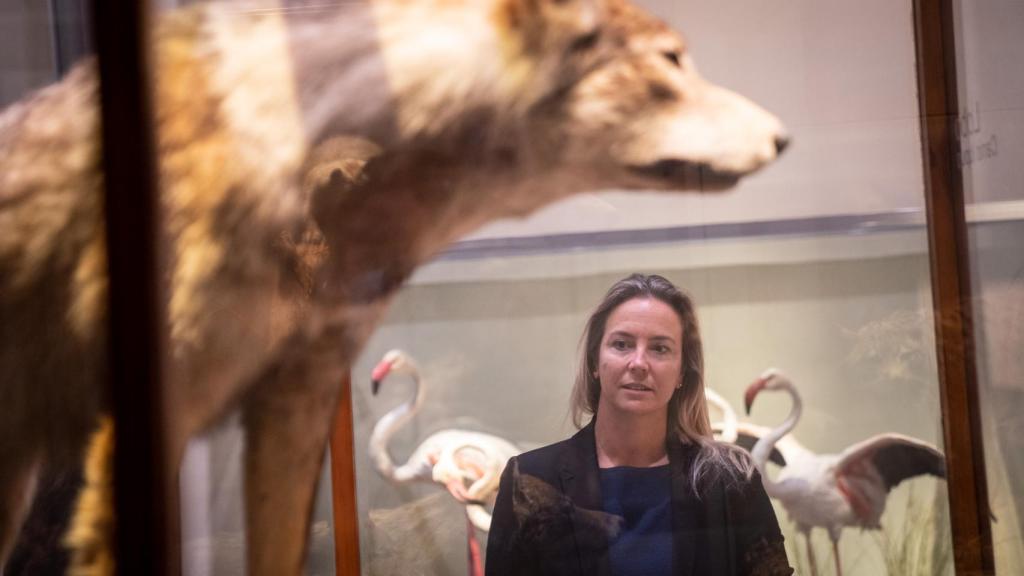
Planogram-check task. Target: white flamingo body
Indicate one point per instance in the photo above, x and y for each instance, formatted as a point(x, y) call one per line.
point(467, 463)
point(433, 458)
point(834, 490)
point(806, 489)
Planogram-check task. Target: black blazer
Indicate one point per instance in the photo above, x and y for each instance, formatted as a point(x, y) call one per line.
point(548, 519)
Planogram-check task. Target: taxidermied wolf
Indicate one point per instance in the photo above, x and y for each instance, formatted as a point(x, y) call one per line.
point(481, 109)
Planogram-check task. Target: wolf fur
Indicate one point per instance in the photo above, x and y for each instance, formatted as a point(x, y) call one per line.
point(480, 109)
point(91, 532)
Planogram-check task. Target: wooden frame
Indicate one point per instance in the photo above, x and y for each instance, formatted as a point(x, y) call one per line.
point(951, 287)
point(145, 504)
point(343, 487)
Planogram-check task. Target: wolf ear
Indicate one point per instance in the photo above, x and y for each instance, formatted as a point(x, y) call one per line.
point(554, 25)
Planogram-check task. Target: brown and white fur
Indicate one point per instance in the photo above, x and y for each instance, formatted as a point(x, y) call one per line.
point(481, 109)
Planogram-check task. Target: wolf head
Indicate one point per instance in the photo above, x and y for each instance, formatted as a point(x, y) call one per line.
point(640, 115)
point(499, 107)
point(596, 87)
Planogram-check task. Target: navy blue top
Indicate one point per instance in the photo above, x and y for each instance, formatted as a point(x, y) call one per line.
point(643, 496)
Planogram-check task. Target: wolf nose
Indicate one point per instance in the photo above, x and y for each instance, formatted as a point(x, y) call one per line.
point(781, 143)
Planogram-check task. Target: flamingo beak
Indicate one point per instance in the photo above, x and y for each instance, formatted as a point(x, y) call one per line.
point(380, 372)
point(752, 391)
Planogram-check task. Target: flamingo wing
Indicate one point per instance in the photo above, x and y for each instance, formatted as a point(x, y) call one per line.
point(893, 457)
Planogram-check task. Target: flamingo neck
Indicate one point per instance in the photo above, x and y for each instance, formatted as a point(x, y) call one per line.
point(730, 423)
point(763, 449)
point(389, 424)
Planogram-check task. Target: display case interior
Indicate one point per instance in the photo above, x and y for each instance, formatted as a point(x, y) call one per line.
point(846, 315)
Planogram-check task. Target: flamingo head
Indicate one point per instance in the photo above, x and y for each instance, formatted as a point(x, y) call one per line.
point(394, 361)
point(770, 379)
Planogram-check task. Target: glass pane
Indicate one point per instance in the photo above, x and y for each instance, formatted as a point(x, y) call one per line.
point(991, 133)
point(37, 42)
point(818, 265)
point(213, 514)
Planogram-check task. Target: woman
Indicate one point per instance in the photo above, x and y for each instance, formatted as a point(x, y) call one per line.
point(642, 489)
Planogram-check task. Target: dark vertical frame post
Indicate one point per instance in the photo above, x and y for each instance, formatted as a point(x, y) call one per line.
point(343, 486)
point(136, 318)
point(951, 290)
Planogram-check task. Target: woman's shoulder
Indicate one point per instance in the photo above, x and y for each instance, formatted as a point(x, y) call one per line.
point(571, 453)
point(544, 457)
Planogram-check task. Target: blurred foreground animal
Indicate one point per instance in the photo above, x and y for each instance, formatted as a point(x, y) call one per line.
point(481, 109)
point(540, 509)
point(91, 533)
point(836, 490)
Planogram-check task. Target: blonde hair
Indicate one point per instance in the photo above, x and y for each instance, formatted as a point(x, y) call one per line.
point(688, 417)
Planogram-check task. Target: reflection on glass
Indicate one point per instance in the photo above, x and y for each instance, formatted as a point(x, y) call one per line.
point(817, 266)
point(847, 317)
point(990, 129)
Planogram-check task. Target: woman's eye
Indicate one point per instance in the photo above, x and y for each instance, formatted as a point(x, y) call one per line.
point(660, 349)
point(619, 344)
point(672, 57)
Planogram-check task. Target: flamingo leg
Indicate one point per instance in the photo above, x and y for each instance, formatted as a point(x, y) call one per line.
point(810, 553)
point(457, 489)
point(473, 550)
point(835, 555)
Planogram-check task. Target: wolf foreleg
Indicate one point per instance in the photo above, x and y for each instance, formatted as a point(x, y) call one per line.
point(287, 420)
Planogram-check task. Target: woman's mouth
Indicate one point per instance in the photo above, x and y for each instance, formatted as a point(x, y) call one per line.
point(637, 387)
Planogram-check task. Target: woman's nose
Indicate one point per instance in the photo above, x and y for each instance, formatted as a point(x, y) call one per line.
point(638, 361)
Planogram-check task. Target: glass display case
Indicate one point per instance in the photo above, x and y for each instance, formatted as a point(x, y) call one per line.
point(819, 266)
point(989, 133)
point(825, 265)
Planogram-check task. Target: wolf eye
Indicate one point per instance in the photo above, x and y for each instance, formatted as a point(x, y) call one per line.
point(672, 57)
point(585, 42)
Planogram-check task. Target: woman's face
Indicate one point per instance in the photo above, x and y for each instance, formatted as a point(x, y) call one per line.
point(640, 359)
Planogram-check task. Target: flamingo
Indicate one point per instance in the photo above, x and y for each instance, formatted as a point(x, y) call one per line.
point(836, 490)
point(467, 463)
point(746, 434)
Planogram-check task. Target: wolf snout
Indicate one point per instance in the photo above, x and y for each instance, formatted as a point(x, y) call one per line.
point(781, 143)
